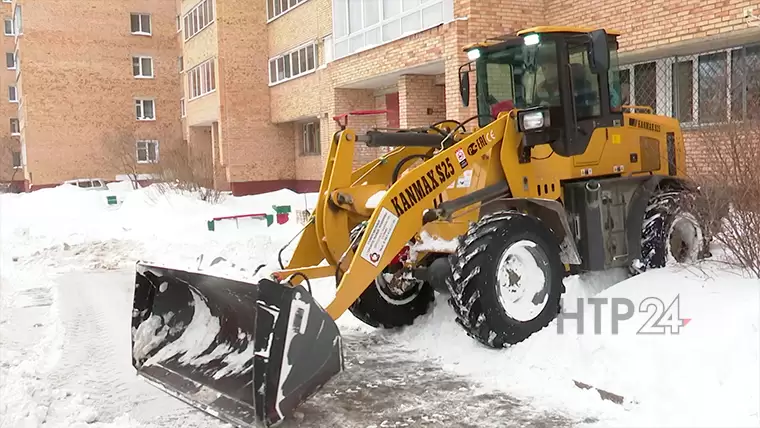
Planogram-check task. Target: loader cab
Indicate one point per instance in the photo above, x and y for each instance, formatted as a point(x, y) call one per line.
point(562, 80)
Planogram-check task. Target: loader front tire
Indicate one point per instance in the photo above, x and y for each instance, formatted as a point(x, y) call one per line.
point(501, 257)
point(380, 307)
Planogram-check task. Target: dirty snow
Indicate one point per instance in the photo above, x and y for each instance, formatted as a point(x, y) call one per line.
point(707, 375)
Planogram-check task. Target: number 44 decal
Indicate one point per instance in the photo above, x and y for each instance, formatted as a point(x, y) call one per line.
point(662, 320)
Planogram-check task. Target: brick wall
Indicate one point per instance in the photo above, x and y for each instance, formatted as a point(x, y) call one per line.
point(651, 24)
point(254, 148)
point(8, 110)
point(78, 90)
point(421, 101)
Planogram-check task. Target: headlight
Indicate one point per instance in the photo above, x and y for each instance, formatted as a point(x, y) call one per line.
point(534, 120)
point(473, 54)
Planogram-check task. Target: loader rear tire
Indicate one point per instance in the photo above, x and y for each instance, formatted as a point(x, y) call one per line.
point(380, 308)
point(670, 231)
point(480, 299)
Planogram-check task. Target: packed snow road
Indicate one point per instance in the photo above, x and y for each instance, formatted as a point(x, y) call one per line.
point(381, 386)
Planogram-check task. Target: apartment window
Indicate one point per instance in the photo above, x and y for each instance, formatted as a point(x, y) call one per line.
point(12, 93)
point(198, 18)
point(142, 66)
point(181, 63)
point(201, 79)
point(363, 24)
point(17, 21)
point(10, 60)
point(145, 109)
point(17, 160)
point(292, 64)
point(9, 27)
point(276, 8)
point(703, 88)
point(140, 23)
point(7, 1)
point(15, 129)
point(182, 110)
point(147, 151)
point(310, 140)
point(179, 23)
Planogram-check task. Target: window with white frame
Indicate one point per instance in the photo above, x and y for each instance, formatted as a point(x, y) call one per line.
point(181, 63)
point(10, 60)
point(12, 93)
point(142, 66)
point(292, 64)
point(140, 23)
point(147, 151)
point(201, 79)
point(7, 1)
point(276, 8)
point(182, 110)
point(198, 18)
point(18, 27)
point(310, 138)
point(17, 160)
point(145, 109)
point(15, 128)
point(363, 24)
point(704, 88)
point(9, 27)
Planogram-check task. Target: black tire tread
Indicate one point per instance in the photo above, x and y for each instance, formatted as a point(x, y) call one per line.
point(471, 312)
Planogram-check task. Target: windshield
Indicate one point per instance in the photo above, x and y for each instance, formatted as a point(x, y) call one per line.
point(518, 77)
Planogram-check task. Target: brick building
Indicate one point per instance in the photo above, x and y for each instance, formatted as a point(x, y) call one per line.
point(252, 86)
point(284, 68)
point(90, 88)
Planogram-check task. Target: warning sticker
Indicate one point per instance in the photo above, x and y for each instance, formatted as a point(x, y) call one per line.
point(379, 236)
point(465, 179)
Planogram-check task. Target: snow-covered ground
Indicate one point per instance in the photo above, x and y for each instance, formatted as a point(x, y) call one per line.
point(66, 276)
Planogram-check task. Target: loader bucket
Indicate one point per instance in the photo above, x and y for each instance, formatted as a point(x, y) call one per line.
point(245, 353)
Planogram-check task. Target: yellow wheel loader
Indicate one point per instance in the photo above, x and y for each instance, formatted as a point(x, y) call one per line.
point(554, 177)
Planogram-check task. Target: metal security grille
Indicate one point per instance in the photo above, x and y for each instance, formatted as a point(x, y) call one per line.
point(709, 88)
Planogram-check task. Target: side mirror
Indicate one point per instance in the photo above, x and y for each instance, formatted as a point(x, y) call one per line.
point(599, 52)
point(464, 87)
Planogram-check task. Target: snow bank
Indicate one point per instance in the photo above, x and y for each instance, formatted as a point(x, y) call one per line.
point(707, 375)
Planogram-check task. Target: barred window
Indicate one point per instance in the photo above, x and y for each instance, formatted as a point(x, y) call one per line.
point(709, 87)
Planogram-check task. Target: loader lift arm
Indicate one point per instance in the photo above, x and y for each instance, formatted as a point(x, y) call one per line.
point(399, 215)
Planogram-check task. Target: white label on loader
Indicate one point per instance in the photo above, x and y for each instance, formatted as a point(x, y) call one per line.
point(465, 179)
point(379, 236)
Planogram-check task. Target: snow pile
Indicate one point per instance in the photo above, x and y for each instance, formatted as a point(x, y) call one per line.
point(69, 229)
point(708, 374)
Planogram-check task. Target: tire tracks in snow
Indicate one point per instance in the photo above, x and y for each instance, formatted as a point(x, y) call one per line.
point(381, 386)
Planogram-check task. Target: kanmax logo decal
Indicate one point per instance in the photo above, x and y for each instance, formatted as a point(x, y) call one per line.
point(422, 187)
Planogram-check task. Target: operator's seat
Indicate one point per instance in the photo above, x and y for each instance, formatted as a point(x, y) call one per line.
point(501, 106)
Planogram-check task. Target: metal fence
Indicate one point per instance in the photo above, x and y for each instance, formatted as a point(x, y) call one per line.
point(709, 88)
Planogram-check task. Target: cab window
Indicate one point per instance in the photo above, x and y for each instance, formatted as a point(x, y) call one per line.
point(586, 94)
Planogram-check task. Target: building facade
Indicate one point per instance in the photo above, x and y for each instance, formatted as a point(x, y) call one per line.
point(284, 68)
point(98, 103)
point(251, 87)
